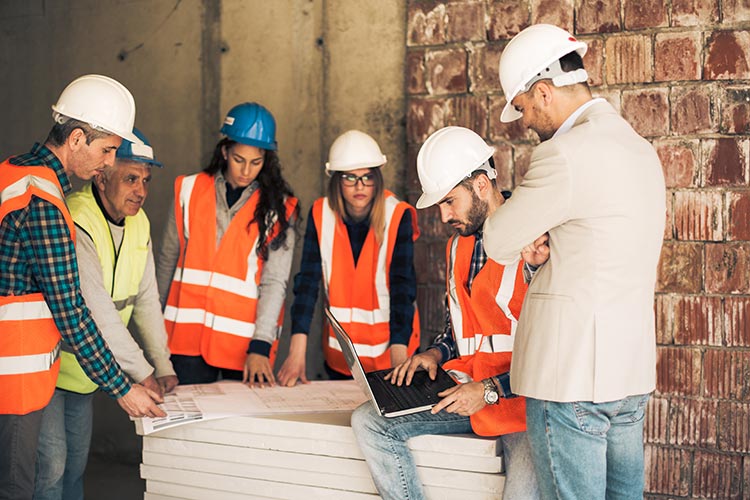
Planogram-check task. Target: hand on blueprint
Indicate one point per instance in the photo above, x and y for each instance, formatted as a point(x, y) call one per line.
point(151, 383)
point(258, 371)
point(167, 383)
point(293, 368)
point(141, 402)
point(428, 360)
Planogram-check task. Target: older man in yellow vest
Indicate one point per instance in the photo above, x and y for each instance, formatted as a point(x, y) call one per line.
point(119, 284)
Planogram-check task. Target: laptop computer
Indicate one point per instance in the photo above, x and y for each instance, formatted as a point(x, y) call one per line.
point(389, 399)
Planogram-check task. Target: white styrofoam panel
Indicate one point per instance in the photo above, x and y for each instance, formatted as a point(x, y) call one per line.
point(229, 484)
point(157, 490)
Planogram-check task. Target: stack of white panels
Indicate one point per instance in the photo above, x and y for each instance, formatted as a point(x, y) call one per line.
point(310, 456)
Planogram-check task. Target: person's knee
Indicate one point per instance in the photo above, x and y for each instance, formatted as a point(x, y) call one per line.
point(362, 418)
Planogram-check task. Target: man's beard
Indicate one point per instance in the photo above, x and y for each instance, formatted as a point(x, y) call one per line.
point(475, 218)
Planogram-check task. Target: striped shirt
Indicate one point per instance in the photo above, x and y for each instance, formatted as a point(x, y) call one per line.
point(37, 254)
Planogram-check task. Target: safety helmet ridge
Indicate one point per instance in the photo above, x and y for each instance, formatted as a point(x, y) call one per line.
point(252, 124)
point(352, 150)
point(446, 158)
point(140, 152)
point(102, 102)
point(530, 56)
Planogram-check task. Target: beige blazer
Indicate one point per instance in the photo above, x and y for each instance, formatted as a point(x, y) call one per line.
point(586, 330)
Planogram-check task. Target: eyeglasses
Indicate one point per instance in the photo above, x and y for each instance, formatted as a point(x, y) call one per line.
point(351, 180)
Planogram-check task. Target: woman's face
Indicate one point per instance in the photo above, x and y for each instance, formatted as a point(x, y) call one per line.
point(243, 164)
point(358, 189)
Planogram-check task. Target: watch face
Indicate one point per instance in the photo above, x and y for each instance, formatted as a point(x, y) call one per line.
point(491, 397)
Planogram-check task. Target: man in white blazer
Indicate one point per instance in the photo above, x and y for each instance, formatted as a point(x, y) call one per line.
point(585, 350)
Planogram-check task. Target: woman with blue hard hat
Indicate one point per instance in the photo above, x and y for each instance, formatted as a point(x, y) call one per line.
point(359, 244)
point(227, 254)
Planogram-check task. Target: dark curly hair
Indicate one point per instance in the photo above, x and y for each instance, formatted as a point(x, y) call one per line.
point(273, 189)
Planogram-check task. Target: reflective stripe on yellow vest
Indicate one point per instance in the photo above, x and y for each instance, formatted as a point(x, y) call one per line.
point(121, 272)
point(211, 307)
point(29, 338)
point(484, 323)
point(359, 296)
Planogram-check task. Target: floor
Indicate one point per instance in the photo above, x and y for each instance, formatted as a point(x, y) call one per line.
point(113, 481)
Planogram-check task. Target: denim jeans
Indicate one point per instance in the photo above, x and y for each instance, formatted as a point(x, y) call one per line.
point(195, 370)
point(18, 439)
point(383, 443)
point(588, 450)
point(64, 446)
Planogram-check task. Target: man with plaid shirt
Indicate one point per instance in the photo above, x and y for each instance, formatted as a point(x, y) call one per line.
point(40, 299)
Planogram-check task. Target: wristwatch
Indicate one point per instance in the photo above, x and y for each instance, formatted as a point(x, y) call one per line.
point(491, 396)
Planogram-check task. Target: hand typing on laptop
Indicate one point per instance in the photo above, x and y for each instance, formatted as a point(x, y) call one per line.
point(463, 399)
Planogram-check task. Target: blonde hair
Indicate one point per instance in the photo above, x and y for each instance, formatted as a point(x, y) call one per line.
point(377, 209)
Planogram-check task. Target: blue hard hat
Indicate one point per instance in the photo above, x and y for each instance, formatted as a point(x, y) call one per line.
point(142, 153)
point(252, 124)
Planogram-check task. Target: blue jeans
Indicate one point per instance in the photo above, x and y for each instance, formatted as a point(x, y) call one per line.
point(64, 446)
point(19, 435)
point(588, 450)
point(383, 443)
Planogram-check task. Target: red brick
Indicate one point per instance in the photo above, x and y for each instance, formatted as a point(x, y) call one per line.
point(612, 95)
point(640, 14)
point(446, 71)
point(727, 267)
point(698, 320)
point(725, 161)
point(746, 476)
point(669, 233)
point(664, 311)
point(628, 59)
point(698, 215)
point(735, 111)
point(597, 16)
point(647, 110)
point(734, 427)
point(655, 425)
point(470, 112)
point(507, 18)
point(680, 268)
point(737, 321)
point(728, 56)
point(734, 11)
point(679, 160)
point(557, 12)
point(677, 56)
point(691, 110)
point(413, 187)
point(716, 476)
point(465, 21)
point(483, 63)
point(429, 258)
point(415, 72)
point(593, 61)
point(667, 470)
point(738, 204)
point(678, 371)
point(426, 24)
point(504, 165)
point(727, 374)
point(425, 116)
point(694, 12)
point(513, 131)
point(521, 161)
point(692, 422)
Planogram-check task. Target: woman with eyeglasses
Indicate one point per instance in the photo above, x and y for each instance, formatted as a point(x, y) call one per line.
point(226, 256)
point(359, 242)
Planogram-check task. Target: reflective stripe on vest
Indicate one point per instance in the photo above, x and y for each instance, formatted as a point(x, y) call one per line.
point(211, 307)
point(121, 271)
point(359, 295)
point(29, 338)
point(466, 344)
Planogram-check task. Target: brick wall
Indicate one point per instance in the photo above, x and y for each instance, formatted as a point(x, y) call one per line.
point(678, 70)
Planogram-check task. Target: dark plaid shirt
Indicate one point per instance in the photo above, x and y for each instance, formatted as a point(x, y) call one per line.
point(402, 277)
point(37, 255)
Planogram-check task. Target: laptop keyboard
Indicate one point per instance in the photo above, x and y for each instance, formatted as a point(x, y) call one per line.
point(421, 392)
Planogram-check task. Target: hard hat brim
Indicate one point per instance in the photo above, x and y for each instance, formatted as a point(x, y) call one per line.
point(427, 200)
point(509, 113)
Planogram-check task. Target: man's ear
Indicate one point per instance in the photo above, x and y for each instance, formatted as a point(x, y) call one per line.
point(544, 91)
point(76, 139)
point(100, 181)
point(482, 186)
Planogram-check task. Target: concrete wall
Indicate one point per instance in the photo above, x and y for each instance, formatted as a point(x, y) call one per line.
point(321, 67)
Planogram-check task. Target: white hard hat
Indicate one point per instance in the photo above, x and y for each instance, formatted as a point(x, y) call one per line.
point(446, 158)
point(531, 56)
point(101, 102)
point(352, 150)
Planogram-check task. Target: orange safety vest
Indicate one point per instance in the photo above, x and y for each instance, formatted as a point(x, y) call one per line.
point(359, 296)
point(213, 298)
point(29, 338)
point(484, 325)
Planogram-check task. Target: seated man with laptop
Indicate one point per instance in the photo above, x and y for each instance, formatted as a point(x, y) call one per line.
point(484, 299)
